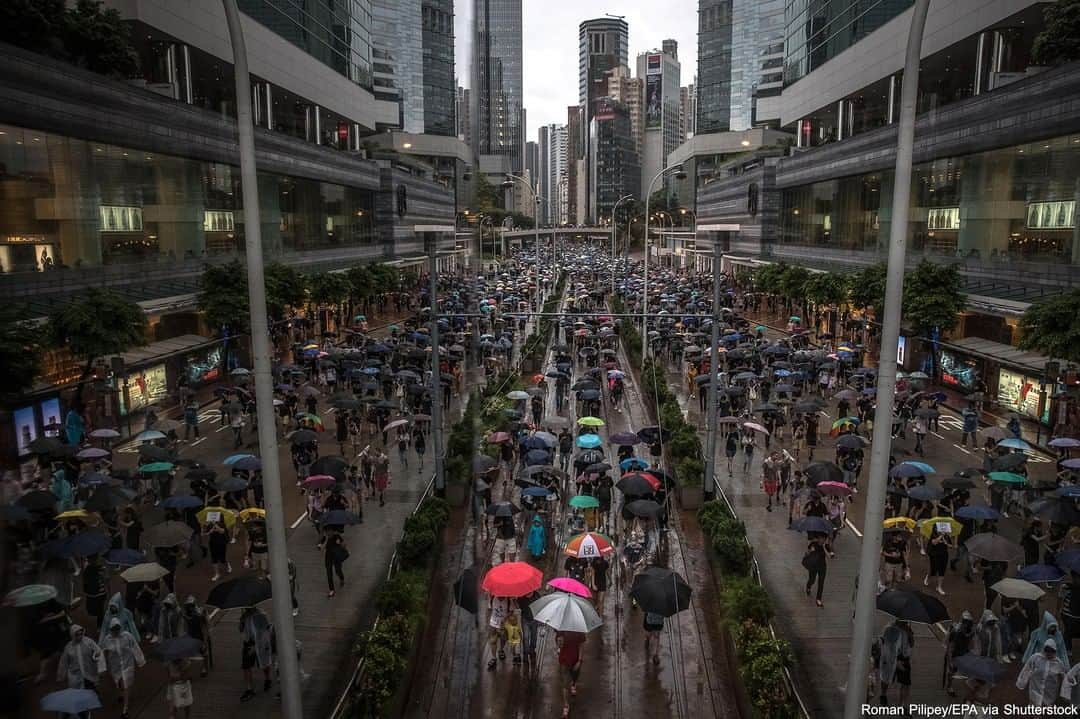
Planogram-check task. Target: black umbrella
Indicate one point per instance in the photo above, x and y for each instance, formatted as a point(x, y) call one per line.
point(106, 497)
point(652, 435)
point(635, 485)
point(167, 534)
point(589, 456)
point(598, 468)
point(37, 501)
point(503, 509)
point(179, 648)
point(467, 591)
point(15, 513)
point(984, 669)
point(303, 436)
point(482, 463)
point(153, 453)
point(239, 592)
point(45, 445)
point(812, 524)
point(338, 518)
point(81, 544)
point(912, 606)
point(805, 405)
point(207, 475)
point(332, 465)
point(1055, 510)
point(661, 591)
point(818, 472)
point(993, 547)
point(1009, 462)
point(663, 475)
point(957, 482)
point(231, 484)
point(644, 508)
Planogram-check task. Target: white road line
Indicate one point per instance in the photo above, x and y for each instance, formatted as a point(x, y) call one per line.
point(214, 612)
point(852, 527)
point(300, 519)
point(825, 414)
point(961, 448)
point(198, 441)
point(937, 435)
point(330, 410)
point(222, 428)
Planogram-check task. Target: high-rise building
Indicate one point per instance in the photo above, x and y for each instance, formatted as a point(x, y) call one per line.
point(439, 81)
point(614, 170)
point(714, 66)
point(532, 163)
point(497, 86)
point(757, 60)
point(660, 71)
point(398, 58)
point(575, 154)
point(553, 179)
point(603, 45)
point(463, 115)
point(630, 91)
point(687, 111)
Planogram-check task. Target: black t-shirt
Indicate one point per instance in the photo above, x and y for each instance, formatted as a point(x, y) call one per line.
point(506, 529)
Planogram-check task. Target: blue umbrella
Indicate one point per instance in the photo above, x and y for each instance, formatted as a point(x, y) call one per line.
point(182, 501)
point(926, 468)
point(83, 544)
point(1013, 443)
point(977, 511)
point(233, 459)
point(125, 557)
point(533, 442)
point(537, 456)
point(904, 469)
point(338, 517)
point(1071, 491)
point(371, 371)
point(811, 524)
point(71, 701)
point(589, 441)
point(633, 463)
point(535, 492)
point(922, 493)
point(1069, 559)
point(248, 464)
point(93, 479)
point(870, 391)
point(1037, 573)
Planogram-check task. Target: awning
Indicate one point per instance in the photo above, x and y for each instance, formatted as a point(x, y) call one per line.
point(1031, 362)
point(160, 351)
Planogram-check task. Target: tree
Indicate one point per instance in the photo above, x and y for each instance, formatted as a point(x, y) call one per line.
point(932, 298)
point(793, 282)
point(866, 288)
point(329, 288)
point(98, 39)
point(20, 350)
point(285, 287)
point(1051, 327)
point(1060, 41)
point(96, 324)
point(826, 288)
point(223, 298)
point(32, 24)
point(488, 197)
point(767, 278)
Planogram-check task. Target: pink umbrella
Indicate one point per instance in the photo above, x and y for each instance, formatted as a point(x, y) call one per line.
point(319, 481)
point(835, 489)
point(573, 586)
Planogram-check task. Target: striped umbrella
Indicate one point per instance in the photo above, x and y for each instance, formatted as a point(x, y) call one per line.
point(589, 545)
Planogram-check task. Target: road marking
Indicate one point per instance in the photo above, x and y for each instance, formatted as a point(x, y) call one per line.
point(300, 519)
point(824, 414)
point(330, 410)
point(214, 613)
point(198, 441)
point(852, 527)
point(937, 435)
point(961, 448)
point(222, 428)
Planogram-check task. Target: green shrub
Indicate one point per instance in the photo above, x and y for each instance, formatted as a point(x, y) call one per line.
point(742, 599)
point(690, 472)
point(712, 512)
point(733, 553)
point(385, 649)
point(762, 661)
point(414, 547)
point(404, 593)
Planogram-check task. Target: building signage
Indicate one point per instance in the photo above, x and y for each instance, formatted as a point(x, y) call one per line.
point(218, 221)
point(943, 218)
point(144, 387)
point(959, 373)
point(901, 350)
point(654, 64)
point(116, 218)
point(1051, 215)
point(1022, 394)
point(203, 366)
point(654, 101)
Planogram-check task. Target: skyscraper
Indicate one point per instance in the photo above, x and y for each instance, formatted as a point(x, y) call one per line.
point(630, 91)
point(757, 58)
point(687, 111)
point(463, 115)
point(603, 45)
point(553, 179)
point(575, 159)
point(714, 66)
point(660, 71)
point(439, 82)
point(497, 84)
point(614, 169)
point(532, 164)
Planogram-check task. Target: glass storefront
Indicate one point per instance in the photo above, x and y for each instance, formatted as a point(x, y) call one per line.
point(1022, 394)
point(75, 203)
point(1013, 204)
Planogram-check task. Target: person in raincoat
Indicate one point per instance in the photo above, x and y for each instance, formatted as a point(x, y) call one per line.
point(1069, 684)
point(117, 610)
point(61, 489)
point(1042, 675)
point(81, 661)
point(122, 656)
point(1048, 630)
point(537, 542)
point(988, 636)
point(168, 618)
point(257, 649)
point(74, 428)
point(894, 661)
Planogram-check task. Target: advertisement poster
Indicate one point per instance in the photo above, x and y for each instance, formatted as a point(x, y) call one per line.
point(959, 373)
point(1020, 393)
point(145, 387)
point(654, 101)
point(1051, 215)
point(901, 350)
point(51, 419)
point(203, 366)
point(25, 429)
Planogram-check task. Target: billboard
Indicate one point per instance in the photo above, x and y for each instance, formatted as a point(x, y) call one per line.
point(654, 101)
point(653, 65)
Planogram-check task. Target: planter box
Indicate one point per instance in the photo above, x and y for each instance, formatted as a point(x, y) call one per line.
point(456, 494)
point(691, 497)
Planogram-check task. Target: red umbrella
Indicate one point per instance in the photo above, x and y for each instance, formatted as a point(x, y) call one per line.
point(512, 579)
point(498, 437)
point(836, 489)
point(319, 481)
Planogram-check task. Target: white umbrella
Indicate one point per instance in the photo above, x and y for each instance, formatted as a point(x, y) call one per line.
point(396, 423)
point(566, 613)
point(1017, 589)
point(517, 394)
point(149, 435)
point(145, 572)
point(104, 433)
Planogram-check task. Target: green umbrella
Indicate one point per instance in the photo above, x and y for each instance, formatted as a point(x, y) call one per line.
point(1007, 477)
point(31, 595)
point(584, 501)
point(760, 328)
point(794, 318)
point(156, 467)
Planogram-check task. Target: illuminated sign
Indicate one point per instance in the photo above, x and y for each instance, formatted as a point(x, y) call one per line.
point(218, 221)
point(944, 218)
point(1051, 215)
point(25, 240)
point(1022, 394)
point(116, 218)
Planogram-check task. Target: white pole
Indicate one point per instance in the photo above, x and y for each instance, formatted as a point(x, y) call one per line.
point(866, 594)
point(264, 383)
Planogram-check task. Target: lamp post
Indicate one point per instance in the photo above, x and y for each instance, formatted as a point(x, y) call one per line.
point(507, 184)
point(683, 211)
point(284, 630)
point(886, 381)
point(614, 228)
point(680, 174)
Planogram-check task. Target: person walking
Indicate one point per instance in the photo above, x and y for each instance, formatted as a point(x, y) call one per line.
point(937, 551)
point(178, 693)
point(568, 645)
point(81, 662)
point(381, 474)
point(257, 650)
point(894, 661)
point(920, 430)
point(217, 538)
point(122, 656)
point(816, 564)
point(1042, 676)
point(512, 628)
point(420, 445)
point(653, 624)
point(748, 449)
point(403, 449)
point(236, 422)
point(191, 419)
point(498, 609)
point(970, 425)
point(195, 624)
point(334, 555)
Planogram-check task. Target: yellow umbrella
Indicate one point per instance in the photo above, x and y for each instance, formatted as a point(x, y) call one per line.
point(906, 522)
point(246, 515)
point(74, 514)
point(926, 526)
point(215, 513)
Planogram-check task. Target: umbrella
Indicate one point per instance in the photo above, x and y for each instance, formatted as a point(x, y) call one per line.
point(517, 395)
point(834, 489)
point(1055, 510)
point(980, 668)
point(906, 524)
point(945, 525)
point(589, 441)
point(1007, 477)
point(637, 484)
point(333, 465)
point(755, 427)
point(181, 501)
point(223, 514)
point(167, 534)
point(1009, 462)
point(83, 544)
point(149, 435)
point(812, 524)
point(73, 514)
point(248, 464)
point(568, 584)
point(502, 509)
point(957, 482)
point(498, 437)
point(924, 493)
point(588, 545)
point(231, 484)
point(818, 472)
point(239, 592)
point(1058, 442)
point(145, 572)
point(852, 441)
point(1014, 443)
point(912, 606)
point(512, 579)
point(153, 467)
point(1069, 559)
point(993, 547)
point(38, 500)
point(584, 501)
point(997, 433)
point(107, 497)
point(318, 481)
point(625, 439)
point(91, 453)
point(125, 557)
point(179, 648)
point(643, 508)
point(303, 436)
point(104, 433)
point(978, 512)
point(591, 422)
point(1014, 588)
point(1041, 573)
point(395, 424)
point(482, 463)
point(633, 463)
point(30, 595)
point(566, 613)
point(252, 514)
point(338, 518)
point(466, 591)
point(15, 513)
point(652, 435)
point(70, 701)
point(93, 479)
point(661, 591)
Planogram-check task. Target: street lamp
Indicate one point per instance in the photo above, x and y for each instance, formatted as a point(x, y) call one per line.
point(680, 174)
point(614, 227)
point(508, 184)
point(683, 211)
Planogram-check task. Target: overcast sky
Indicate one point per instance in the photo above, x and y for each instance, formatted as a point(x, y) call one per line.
point(551, 50)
